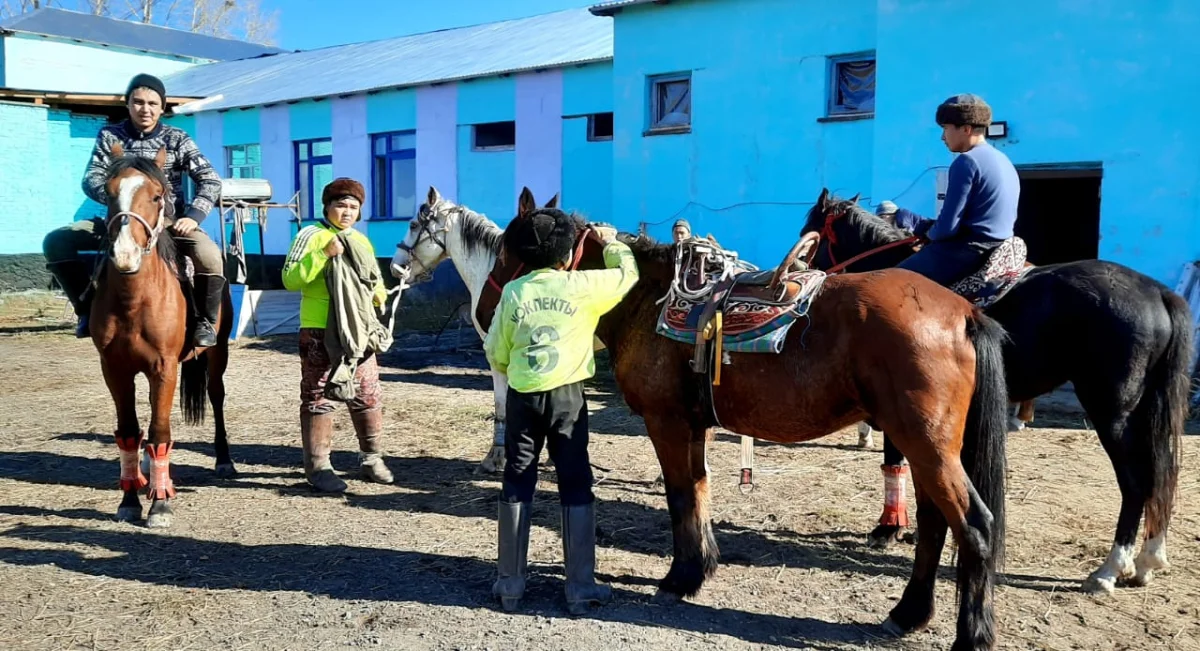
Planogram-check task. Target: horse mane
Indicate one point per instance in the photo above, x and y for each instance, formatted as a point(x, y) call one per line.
point(166, 247)
point(873, 228)
point(478, 233)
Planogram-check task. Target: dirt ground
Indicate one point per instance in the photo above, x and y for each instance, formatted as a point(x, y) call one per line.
point(260, 562)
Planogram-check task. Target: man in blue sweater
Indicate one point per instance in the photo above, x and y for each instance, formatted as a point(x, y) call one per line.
point(980, 209)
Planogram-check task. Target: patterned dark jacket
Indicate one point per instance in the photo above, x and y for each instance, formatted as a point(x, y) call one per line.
point(182, 156)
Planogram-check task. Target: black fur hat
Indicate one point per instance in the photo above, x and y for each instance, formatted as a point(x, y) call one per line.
point(542, 239)
point(963, 110)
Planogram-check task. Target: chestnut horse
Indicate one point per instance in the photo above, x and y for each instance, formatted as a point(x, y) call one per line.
point(1121, 338)
point(139, 323)
point(891, 347)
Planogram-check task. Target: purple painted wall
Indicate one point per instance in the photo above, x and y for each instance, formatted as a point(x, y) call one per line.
point(209, 138)
point(539, 134)
point(277, 167)
point(437, 140)
point(352, 146)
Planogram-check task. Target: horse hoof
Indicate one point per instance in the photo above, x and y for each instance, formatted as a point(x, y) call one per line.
point(1096, 585)
point(884, 535)
point(160, 520)
point(892, 628)
point(1015, 425)
point(226, 470)
point(129, 514)
point(666, 597)
point(510, 604)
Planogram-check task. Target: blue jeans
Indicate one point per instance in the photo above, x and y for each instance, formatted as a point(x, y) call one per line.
point(946, 262)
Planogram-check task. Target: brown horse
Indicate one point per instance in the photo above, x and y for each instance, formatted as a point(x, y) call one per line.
point(891, 347)
point(139, 323)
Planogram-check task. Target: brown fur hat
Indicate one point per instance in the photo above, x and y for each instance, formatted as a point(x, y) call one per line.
point(343, 187)
point(963, 110)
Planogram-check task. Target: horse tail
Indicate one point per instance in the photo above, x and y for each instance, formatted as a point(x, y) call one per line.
point(1163, 410)
point(983, 454)
point(193, 389)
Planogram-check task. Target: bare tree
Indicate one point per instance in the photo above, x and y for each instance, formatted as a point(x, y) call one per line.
point(239, 19)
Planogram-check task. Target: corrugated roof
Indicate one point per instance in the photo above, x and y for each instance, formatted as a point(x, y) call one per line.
point(610, 8)
point(76, 25)
point(546, 41)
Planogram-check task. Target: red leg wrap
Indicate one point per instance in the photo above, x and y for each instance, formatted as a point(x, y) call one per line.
point(161, 487)
point(132, 478)
point(895, 501)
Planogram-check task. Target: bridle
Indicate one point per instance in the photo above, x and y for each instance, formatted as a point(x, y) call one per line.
point(124, 215)
point(426, 228)
point(829, 237)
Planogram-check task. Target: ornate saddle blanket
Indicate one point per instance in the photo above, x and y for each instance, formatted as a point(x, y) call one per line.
point(1005, 266)
point(754, 317)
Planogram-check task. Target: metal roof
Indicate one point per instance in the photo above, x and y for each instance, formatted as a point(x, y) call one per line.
point(552, 40)
point(61, 23)
point(611, 8)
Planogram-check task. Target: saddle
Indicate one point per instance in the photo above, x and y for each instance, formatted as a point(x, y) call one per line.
point(717, 297)
point(1004, 267)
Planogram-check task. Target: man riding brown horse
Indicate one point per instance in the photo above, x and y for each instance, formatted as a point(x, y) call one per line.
point(144, 135)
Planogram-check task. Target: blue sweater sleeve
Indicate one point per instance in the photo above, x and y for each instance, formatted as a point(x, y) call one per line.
point(958, 192)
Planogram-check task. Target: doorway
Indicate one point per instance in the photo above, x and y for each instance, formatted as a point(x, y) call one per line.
point(1058, 215)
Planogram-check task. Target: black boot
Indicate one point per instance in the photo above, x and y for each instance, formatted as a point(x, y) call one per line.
point(74, 276)
point(579, 550)
point(512, 553)
point(209, 290)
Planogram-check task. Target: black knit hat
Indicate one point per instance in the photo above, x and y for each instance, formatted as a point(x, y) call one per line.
point(542, 239)
point(147, 81)
point(963, 110)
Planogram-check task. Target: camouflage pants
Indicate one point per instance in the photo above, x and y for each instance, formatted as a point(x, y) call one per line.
point(314, 372)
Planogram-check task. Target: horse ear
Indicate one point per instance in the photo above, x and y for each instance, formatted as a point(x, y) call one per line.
point(823, 200)
point(526, 204)
point(854, 199)
point(160, 158)
point(118, 150)
point(434, 197)
point(553, 202)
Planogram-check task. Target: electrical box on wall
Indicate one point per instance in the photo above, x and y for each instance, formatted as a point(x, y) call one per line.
point(942, 182)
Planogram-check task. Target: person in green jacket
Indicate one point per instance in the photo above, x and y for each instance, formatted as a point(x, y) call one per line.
point(304, 272)
point(542, 339)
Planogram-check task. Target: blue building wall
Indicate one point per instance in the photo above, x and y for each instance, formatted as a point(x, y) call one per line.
point(38, 63)
point(756, 155)
point(241, 128)
point(587, 166)
point(43, 155)
point(486, 178)
point(392, 110)
point(1104, 81)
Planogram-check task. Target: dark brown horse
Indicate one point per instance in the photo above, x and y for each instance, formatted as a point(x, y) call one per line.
point(1121, 338)
point(891, 347)
point(139, 323)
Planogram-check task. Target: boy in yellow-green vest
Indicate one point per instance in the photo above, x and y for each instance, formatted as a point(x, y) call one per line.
point(542, 338)
point(304, 272)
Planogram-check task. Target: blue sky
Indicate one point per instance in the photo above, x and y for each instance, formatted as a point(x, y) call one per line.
point(307, 24)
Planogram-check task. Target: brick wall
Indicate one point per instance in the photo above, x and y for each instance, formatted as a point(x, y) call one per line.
point(43, 154)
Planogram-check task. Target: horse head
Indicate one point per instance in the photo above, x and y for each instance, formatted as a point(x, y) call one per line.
point(136, 189)
point(424, 248)
point(846, 229)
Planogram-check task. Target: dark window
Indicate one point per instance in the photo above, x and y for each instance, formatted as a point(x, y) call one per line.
point(600, 126)
point(394, 174)
point(671, 103)
point(852, 85)
point(495, 136)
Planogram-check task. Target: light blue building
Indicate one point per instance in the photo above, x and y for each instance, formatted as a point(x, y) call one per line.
point(768, 101)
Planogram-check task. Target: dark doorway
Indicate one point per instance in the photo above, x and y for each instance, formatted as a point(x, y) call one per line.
point(1059, 214)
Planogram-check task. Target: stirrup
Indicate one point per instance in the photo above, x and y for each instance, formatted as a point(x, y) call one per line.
point(205, 336)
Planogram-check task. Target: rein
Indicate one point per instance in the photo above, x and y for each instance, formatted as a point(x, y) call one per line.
point(830, 238)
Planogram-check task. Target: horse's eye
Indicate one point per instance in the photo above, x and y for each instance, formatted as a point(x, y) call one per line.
point(158, 198)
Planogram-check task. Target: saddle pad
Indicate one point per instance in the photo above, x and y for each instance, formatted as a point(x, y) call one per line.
point(1004, 267)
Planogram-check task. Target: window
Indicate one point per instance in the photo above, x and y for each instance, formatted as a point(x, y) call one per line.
point(852, 85)
point(394, 175)
point(494, 136)
point(314, 170)
point(671, 103)
point(244, 161)
point(600, 126)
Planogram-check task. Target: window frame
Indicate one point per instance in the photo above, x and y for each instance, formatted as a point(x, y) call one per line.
point(229, 166)
point(653, 110)
point(308, 204)
point(834, 110)
point(591, 127)
point(388, 157)
point(490, 148)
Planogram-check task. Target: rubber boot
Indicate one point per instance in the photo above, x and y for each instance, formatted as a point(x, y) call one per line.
point(316, 435)
point(512, 553)
point(208, 292)
point(579, 553)
point(73, 276)
point(369, 427)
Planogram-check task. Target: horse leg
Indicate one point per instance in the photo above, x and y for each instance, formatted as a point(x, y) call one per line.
point(158, 448)
point(1120, 563)
point(865, 440)
point(218, 362)
point(894, 521)
point(128, 436)
point(494, 461)
point(681, 454)
point(915, 607)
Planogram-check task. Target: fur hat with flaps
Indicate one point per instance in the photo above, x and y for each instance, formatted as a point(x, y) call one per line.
point(541, 239)
point(963, 110)
point(343, 187)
